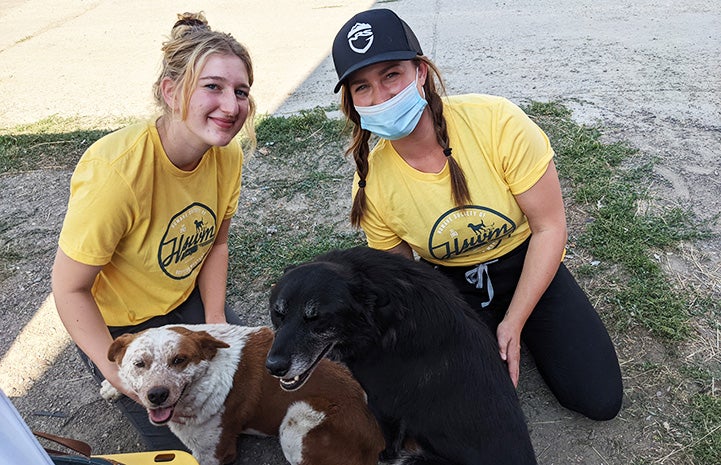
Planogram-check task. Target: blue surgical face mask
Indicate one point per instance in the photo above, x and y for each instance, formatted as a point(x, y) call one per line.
point(396, 117)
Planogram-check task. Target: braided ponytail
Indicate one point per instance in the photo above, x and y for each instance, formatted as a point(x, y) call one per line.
point(360, 155)
point(459, 187)
point(359, 149)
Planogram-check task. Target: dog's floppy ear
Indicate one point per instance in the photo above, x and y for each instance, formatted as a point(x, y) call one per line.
point(207, 344)
point(372, 297)
point(117, 349)
point(378, 309)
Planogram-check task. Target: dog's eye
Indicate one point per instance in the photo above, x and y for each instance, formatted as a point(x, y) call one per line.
point(311, 312)
point(139, 364)
point(178, 360)
point(279, 309)
point(311, 315)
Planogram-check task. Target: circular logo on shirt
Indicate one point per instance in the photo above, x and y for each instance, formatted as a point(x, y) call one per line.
point(187, 241)
point(468, 228)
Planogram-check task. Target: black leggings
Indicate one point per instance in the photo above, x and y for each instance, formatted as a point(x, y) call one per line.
point(157, 437)
point(564, 334)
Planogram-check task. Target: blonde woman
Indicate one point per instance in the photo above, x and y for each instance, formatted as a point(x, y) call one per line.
point(144, 241)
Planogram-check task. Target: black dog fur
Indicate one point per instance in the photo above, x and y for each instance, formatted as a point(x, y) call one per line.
point(429, 365)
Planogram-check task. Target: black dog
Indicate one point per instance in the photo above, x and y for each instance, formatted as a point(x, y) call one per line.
point(429, 365)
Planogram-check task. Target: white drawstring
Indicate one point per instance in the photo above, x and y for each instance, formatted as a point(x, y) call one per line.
point(480, 278)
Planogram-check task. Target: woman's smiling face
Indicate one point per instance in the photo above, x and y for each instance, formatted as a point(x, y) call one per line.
point(219, 104)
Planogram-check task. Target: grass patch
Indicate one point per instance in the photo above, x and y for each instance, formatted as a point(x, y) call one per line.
point(300, 168)
point(307, 184)
point(23, 152)
point(706, 422)
point(308, 131)
point(606, 183)
point(50, 143)
point(602, 177)
point(260, 254)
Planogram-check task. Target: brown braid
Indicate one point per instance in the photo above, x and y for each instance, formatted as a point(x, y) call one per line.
point(459, 186)
point(360, 149)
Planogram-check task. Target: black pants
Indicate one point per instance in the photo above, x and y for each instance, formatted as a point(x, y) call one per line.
point(564, 334)
point(157, 437)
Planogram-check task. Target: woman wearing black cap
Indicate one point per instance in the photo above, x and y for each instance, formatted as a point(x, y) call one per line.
point(468, 183)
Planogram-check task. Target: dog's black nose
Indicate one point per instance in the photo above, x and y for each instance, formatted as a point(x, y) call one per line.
point(277, 366)
point(158, 395)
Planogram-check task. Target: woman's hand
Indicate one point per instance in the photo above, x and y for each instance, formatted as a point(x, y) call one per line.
point(113, 390)
point(509, 346)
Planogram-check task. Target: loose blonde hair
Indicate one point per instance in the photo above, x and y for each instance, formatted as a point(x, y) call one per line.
point(190, 45)
point(359, 147)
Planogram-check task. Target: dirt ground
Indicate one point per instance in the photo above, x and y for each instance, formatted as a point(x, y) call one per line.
point(647, 71)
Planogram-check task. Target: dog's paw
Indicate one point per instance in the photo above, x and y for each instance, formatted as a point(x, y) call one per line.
point(108, 391)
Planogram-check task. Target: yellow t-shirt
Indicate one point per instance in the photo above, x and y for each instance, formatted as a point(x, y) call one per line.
point(502, 153)
point(149, 224)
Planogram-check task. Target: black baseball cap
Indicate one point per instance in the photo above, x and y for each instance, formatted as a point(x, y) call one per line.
point(371, 37)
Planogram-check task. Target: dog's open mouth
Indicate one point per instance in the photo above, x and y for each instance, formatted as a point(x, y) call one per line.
point(161, 415)
point(295, 383)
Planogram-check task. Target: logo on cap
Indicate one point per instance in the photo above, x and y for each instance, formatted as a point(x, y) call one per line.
point(362, 35)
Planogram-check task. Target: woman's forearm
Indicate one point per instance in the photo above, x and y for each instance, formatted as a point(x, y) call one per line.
point(213, 277)
point(72, 283)
point(543, 206)
point(83, 321)
point(212, 282)
point(543, 258)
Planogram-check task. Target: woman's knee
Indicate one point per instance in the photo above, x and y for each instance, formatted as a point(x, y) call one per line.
point(602, 407)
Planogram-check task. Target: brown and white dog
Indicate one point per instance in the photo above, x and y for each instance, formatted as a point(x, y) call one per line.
point(209, 384)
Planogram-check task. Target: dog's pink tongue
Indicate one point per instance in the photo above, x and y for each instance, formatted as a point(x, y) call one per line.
point(161, 415)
